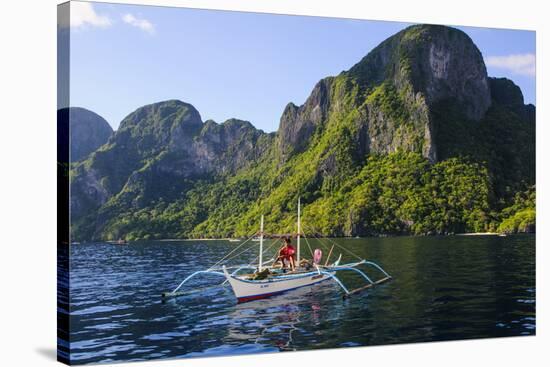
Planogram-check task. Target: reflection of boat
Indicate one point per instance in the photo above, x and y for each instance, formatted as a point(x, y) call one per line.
point(75, 243)
point(269, 280)
point(268, 321)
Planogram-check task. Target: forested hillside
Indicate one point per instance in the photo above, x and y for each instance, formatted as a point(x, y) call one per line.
point(413, 139)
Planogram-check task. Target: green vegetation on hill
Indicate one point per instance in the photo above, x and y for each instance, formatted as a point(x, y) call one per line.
point(520, 217)
point(399, 193)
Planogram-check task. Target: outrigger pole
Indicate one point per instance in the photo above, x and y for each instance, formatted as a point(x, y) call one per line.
point(261, 243)
point(298, 236)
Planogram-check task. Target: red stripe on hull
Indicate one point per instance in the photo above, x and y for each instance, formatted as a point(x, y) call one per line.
point(259, 296)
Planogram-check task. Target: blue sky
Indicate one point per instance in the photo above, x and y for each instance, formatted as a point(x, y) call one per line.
point(242, 65)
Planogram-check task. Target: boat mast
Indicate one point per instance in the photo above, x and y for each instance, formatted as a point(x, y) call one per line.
point(298, 236)
point(261, 243)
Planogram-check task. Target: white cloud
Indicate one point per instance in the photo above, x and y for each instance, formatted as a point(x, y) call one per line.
point(140, 23)
point(523, 64)
point(84, 15)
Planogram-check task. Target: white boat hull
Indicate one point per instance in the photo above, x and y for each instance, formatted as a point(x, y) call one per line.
point(248, 290)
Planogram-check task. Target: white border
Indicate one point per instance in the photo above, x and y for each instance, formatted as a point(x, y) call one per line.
point(28, 153)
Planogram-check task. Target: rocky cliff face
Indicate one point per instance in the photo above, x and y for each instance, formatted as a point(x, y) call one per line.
point(299, 123)
point(156, 149)
point(88, 131)
point(505, 93)
point(438, 62)
point(392, 90)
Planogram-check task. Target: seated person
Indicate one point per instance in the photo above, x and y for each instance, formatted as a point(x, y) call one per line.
point(286, 254)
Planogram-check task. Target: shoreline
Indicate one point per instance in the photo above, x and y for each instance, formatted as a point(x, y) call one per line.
point(478, 234)
point(236, 240)
point(351, 238)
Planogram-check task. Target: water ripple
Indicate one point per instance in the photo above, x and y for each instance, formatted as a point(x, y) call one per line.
point(444, 288)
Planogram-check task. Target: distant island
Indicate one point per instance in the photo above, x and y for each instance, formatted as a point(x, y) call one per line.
point(413, 139)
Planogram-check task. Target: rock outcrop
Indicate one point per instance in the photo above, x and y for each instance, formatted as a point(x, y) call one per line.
point(88, 131)
point(156, 149)
point(392, 91)
point(299, 123)
point(505, 93)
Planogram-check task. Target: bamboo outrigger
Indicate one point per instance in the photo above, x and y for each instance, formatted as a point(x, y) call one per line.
point(269, 280)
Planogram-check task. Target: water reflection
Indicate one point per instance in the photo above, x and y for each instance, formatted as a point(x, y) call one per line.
point(443, 288)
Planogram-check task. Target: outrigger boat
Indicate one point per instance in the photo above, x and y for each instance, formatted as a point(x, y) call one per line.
point(265, 279)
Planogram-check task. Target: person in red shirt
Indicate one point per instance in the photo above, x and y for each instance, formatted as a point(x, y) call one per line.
point(286, 253)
